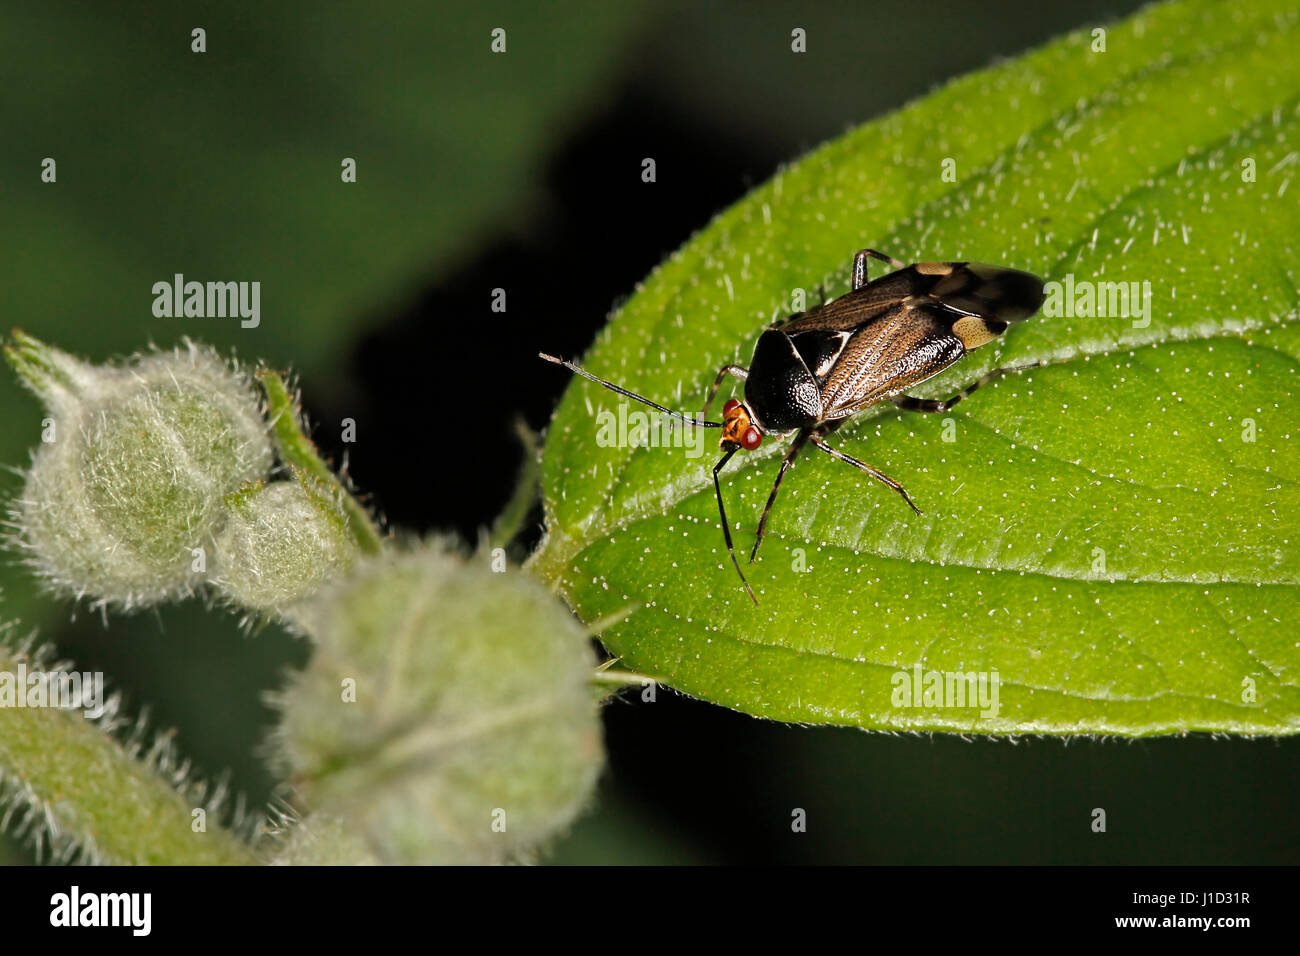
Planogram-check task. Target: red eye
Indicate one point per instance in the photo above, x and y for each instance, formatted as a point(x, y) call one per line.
point(752, 438)
point(730, 407)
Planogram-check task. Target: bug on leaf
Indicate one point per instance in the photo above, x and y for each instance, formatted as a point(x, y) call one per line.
point(814, 370)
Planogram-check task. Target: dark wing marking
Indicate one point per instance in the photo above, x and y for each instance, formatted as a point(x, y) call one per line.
point(900, 349)
point(991, 292)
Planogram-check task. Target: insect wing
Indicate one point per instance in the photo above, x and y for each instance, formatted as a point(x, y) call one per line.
point(991, 292)
point(899, 350)
point(902, 328)
point(855, 309)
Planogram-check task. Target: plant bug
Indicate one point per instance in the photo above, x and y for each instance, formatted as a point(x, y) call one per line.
point(814, 370)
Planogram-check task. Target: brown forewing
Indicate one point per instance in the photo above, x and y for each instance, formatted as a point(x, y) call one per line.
point(899, 348)
point(859, 306)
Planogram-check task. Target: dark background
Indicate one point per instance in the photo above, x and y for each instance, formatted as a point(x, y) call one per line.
point(409, 349)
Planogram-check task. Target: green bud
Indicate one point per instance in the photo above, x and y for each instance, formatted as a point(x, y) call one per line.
point(122, 499)
point(446, 715)
point(322, 840)
point(280, 542)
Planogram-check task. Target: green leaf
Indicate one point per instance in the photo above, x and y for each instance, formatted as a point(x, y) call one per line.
point(1099, 532)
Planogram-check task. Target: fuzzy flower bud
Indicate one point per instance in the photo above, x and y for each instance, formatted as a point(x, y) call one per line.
point(446, 714)
point(321, 840)
point(124, 494)
point(280, 542)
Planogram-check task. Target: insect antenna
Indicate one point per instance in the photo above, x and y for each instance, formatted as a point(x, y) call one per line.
point(632, 395)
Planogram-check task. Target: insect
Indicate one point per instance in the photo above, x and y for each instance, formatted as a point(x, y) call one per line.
point(812, 371)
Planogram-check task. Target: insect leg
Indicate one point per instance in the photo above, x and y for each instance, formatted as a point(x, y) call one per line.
point(726, 528)
point(795, 447)
point(736, 370)
point(880, 476)
point(860, 265)
point(931, 405)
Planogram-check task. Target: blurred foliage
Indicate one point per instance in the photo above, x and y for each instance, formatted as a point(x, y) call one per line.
point(226, 165)
point(862, 60)
point(618, 831)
